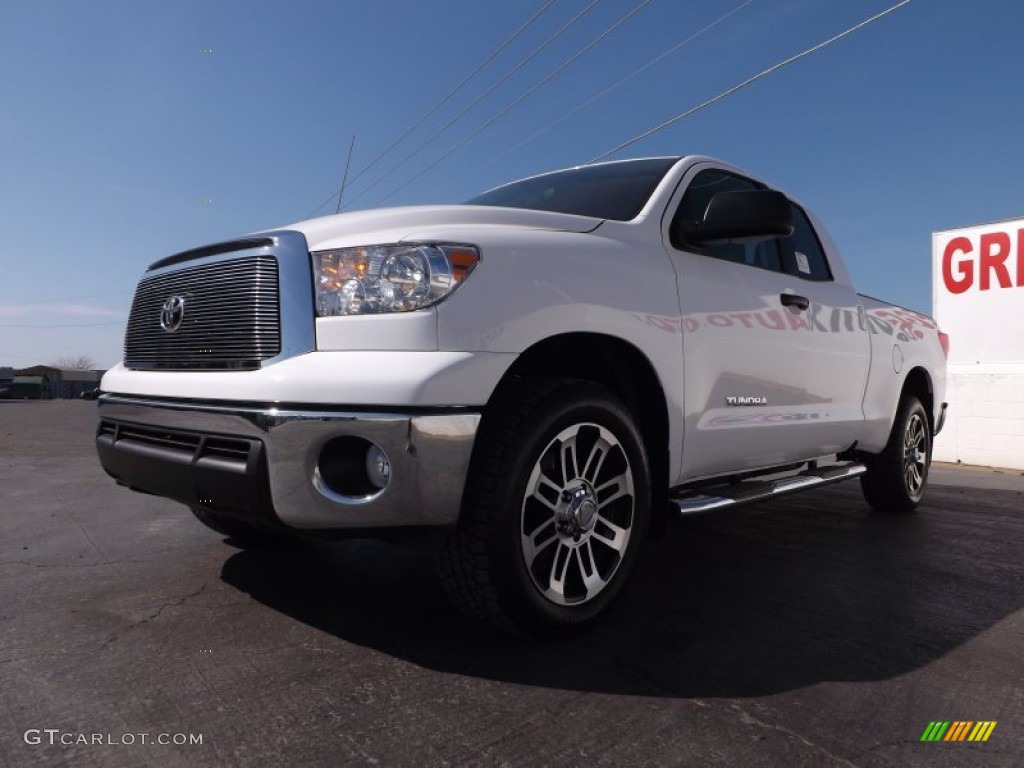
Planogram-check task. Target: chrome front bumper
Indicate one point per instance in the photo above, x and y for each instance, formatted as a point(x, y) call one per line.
point(260, 462)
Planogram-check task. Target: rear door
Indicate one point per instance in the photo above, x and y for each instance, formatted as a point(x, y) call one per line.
point(775, 351)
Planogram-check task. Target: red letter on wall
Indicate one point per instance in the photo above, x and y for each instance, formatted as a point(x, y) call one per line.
point(963, 282)
point(995, 249)
point(1020, 258)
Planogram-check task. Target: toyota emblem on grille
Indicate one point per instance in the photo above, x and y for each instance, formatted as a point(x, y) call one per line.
point(172, 313)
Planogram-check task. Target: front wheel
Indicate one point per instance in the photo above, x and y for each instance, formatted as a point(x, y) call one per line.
point(897, 477)
point(555, 511)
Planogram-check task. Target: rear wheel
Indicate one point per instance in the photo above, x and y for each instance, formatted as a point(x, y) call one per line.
point(556, 508)
point(897, 477)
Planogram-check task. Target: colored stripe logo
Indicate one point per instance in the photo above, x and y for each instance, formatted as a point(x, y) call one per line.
point(958, 730)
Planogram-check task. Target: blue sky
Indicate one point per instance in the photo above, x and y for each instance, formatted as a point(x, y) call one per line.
point(116, 124)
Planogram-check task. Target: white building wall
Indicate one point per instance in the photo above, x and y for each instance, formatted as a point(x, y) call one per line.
point(978, 299)
point(985, 420)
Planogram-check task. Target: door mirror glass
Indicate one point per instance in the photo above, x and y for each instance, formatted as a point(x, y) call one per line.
point(744, 216)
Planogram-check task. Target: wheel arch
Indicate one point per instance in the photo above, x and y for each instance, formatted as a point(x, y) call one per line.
point(918, 382)
point(626, 371)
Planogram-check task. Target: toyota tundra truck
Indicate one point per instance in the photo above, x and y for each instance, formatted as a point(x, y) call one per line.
point(539, 378)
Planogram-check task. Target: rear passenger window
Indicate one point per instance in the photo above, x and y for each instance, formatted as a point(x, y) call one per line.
point(802, 254)
point(705, 185)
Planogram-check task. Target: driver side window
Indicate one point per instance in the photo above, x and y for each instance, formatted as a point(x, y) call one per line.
point(705, 185)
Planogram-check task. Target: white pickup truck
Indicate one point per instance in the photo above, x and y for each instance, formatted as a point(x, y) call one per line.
point(541, 375)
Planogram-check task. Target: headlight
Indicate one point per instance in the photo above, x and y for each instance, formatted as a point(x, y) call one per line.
point(388, 278)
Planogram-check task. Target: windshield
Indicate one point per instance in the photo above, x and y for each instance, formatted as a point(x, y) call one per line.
point(609, 191)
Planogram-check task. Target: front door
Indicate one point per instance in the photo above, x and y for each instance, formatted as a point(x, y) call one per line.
point(776, 354)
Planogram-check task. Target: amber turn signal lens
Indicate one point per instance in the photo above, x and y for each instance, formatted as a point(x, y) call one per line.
point(462, 262)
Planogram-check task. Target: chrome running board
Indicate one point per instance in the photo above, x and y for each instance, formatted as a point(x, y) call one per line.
point(758, 489)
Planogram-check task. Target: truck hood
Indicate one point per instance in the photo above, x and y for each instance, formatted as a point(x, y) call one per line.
point(383, 225)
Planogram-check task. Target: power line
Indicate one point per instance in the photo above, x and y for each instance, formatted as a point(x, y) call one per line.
point(66, 298)
point(62, 325)
point(479, 98)
point(518, 100)
point(344, 178)
point(16, 276)
point(23, 357)
point(619, 83)
point(508, 41)
point(745, 83)
point(522, 28)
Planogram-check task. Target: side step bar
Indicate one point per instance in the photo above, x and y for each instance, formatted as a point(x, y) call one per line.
point(746, 491)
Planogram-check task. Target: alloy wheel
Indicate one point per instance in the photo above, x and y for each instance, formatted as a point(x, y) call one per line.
point(915, 454)
point(577, 514)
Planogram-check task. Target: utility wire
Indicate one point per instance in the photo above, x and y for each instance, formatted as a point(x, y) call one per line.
point(127, 291)
point(479, 98)
point(518, 100)
point(522, 28)
point(23, 357)
point(22, 278)
point(618, 84)
point(344, 178)
point(62, 325)
point(745, 83)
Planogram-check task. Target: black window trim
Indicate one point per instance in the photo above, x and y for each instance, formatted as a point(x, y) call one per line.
point(696, 249)
point(669, 162)
point(824, 254)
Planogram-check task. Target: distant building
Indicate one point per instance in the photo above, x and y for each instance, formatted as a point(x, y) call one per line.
point(29, 388)
point(6, 379)
point(75, 382)
point(59, 382)
point(978, 299)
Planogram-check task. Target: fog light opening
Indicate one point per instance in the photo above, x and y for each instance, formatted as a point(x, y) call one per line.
point(351, 469)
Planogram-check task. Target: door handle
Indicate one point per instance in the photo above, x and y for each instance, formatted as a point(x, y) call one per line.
point(793, 300)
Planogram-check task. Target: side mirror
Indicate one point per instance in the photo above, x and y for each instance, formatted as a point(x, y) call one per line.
point(744, 216)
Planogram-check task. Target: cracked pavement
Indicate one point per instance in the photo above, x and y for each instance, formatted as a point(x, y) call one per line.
point(804, 631)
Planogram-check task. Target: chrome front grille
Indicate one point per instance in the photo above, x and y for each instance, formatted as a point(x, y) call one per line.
point(231, 317)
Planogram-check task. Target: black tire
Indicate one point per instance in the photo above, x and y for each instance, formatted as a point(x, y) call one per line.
point(239, 532)
point(584, 531)
point(897, 478)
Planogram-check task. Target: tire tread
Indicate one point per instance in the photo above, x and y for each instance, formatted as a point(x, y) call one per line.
point(463, 561)
point(883, 485)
